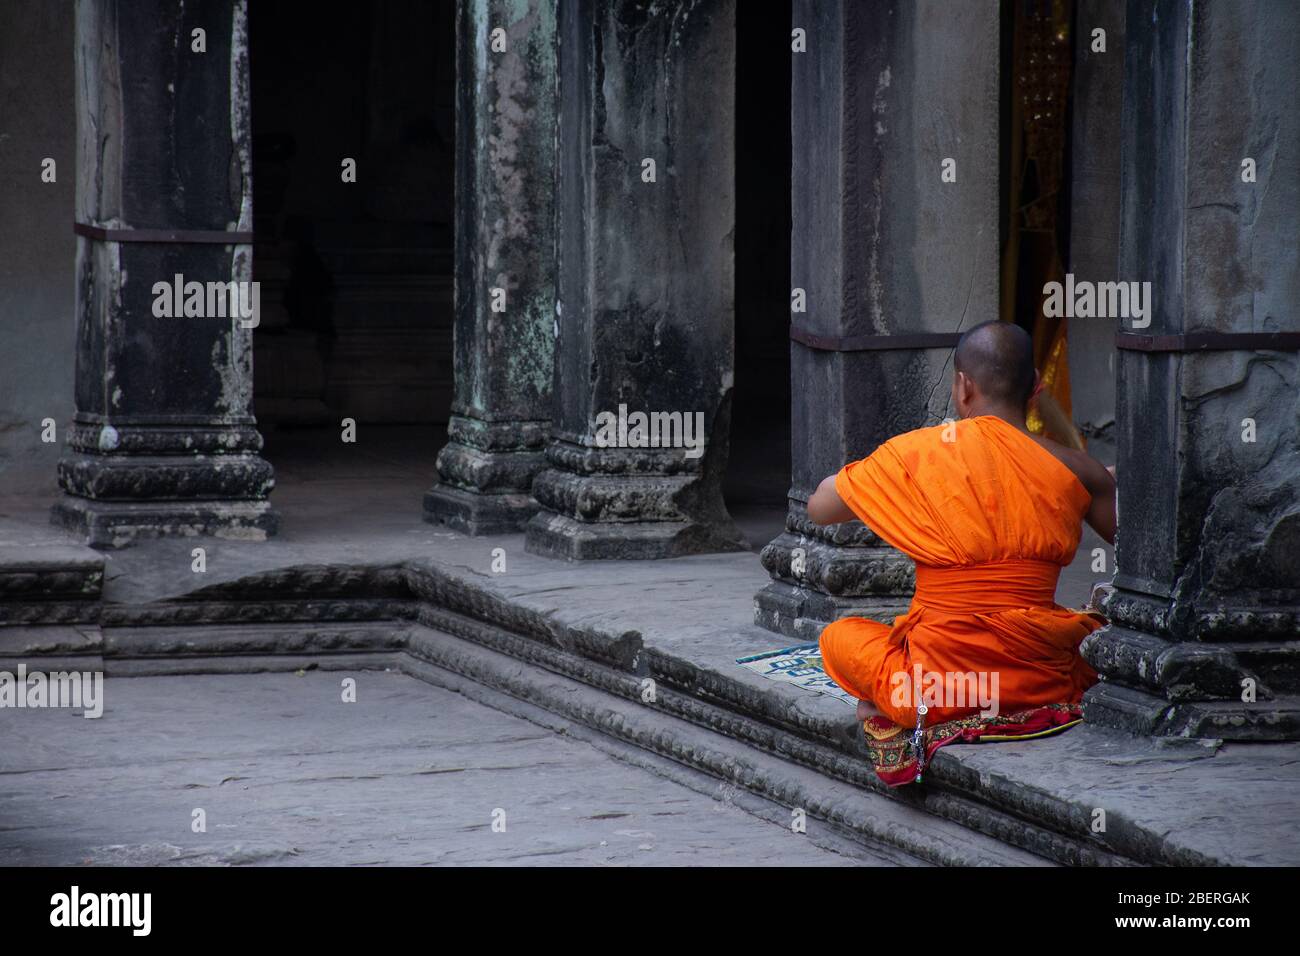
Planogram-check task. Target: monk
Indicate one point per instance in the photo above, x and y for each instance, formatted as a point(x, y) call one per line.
point(990, 513)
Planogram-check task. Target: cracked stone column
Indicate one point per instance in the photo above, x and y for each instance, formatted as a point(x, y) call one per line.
point(163, 441)
point(505, 240)
point(646, 273)
point(893, 262)
point(1205, 618)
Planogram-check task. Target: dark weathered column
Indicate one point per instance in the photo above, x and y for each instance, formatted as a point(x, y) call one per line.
point(164, 441)
point(893, 262)
point(505, 266)
point(1206, 615)
point(647, 208)
point(1098, 95)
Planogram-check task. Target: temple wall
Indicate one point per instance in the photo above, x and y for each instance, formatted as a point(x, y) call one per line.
point(37, 248)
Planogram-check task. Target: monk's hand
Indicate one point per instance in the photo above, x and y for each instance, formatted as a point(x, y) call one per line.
point(826, 506)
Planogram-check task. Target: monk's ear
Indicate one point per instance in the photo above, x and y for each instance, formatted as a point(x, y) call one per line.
point(962, 386)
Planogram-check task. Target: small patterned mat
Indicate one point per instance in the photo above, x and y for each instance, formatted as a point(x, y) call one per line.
point(800, 665)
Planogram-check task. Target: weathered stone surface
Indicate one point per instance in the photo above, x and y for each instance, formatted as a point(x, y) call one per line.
point(646, 278)
point(47, 642)
point(505, 240)
point(408, 775)
point(881, 247)
point(50, 572)
point(117, 524)
point(164, 440)
point(1206, 615)
point(1097, 95)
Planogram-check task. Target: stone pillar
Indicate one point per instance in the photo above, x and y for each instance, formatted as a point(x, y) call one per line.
point(163, 440)
point(647, 209)
point(893, 261)
point(505, 240)
point(1098, 93)
point(1205, 617)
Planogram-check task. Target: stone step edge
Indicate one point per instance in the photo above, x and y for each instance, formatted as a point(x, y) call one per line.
point(153, 651)
point(939, 802)
point(870, 818)
point(453, 662)
point(434, 587)
point(974, 794)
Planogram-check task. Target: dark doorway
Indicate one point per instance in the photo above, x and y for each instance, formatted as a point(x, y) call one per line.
point(356, 283)
point(758, 475)
point(1037, 70)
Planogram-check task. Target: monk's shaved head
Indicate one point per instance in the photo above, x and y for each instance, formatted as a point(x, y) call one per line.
point(999, 358)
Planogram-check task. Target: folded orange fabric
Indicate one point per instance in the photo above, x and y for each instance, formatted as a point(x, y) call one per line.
point(900, 755)
point(990, 517)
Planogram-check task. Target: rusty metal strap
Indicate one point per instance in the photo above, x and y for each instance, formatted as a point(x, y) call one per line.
point(874, 343)
point(1209, 341)
point(183, 236)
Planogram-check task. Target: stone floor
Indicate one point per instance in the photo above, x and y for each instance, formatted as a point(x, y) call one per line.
point(286, 773)
point(1231, 803)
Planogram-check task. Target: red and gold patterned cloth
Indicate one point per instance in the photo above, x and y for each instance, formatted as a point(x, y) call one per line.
point(893, 751)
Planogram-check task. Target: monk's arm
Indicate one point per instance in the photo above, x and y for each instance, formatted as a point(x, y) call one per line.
point(826, 506)
point(1101, 485)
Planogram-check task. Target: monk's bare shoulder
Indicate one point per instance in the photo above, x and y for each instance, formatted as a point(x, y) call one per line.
point(1091, 473)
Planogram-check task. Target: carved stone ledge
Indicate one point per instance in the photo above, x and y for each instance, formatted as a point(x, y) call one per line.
point(166, 478)
point(1206, 617)
point(99, 438)
point(477, 431)
point(1110, 704)
point(559, 536)
point(488, 472)
point(116, 524)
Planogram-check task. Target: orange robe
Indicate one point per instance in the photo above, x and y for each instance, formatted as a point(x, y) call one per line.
point(990, 518)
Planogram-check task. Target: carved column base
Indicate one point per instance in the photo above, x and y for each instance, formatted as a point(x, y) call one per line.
point(478, 513)
point(558, 536)
point(823, 574)
point(117, 524)
point(485, 474)
point(1171, 669)
point(630, 505)
point(802, 613)
point(1138, 712)
point(144, 481)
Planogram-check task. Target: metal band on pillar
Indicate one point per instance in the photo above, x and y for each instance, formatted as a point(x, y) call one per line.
point(1209, 342)
point(165, 236)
